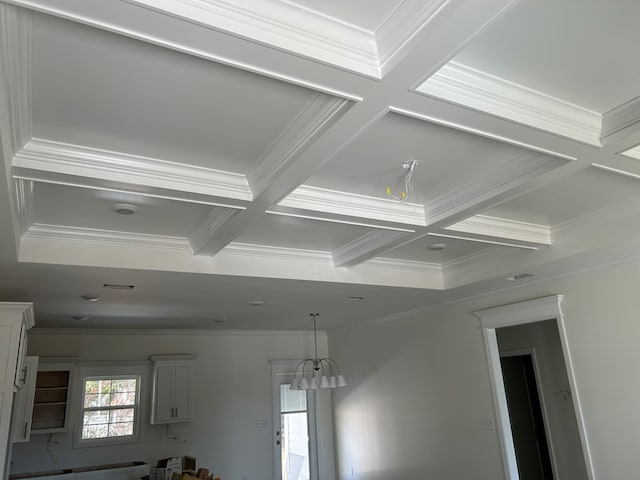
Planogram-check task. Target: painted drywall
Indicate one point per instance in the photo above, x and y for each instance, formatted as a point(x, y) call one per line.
point(233, 392)
point(419, 405)
point(554, 390)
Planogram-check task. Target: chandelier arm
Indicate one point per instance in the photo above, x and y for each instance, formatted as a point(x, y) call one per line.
point(332, 362)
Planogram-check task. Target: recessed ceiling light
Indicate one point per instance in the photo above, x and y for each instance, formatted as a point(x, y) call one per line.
point(436, 247)
point(89, 297)
point(256, 303)
point(124, 208)
point(354, 297)
point(81, 318)
point(118, 286)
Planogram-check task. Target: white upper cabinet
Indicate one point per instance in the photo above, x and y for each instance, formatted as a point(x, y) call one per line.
point(23, 405)
point(15, 320)
point(172, 400)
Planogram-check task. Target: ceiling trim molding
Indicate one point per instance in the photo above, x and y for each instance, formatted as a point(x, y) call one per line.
point(504, 228)
point(401, 27)
point(206, 229)
point(112, 237)
point(15, 84)
point(318, 199)
point(275, 253)
point(317, 116)
point(397, 264)
point(367, 246)
point(282, 25)
point(68, 159)
point(497, 184)
point(163, 331)
point(24, 204)
point(620, 117)
point(466, 86)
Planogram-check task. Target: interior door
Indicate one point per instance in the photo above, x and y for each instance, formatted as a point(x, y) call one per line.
point(525, 414)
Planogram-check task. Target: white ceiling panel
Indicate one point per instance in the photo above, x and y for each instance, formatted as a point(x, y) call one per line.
point(448, 159)
point(87, 208)
point(98, 89)
point(366, 14)
point(292, 232)
point(575, 50)
point(572, 197)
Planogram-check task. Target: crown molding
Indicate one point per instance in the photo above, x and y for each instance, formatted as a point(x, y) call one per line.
point(24, 309)
point(463, 85)
point(275, 253)
point(620, 117)
point(24, 204)
point(160, 331)
point(15, 83)
point(497, 184)
point(344, 203)
point(367, 246)
point(206, 229)
point(401, 27)
point(396, 264)
point(317, 116)
point(281, 25)
point(67, 159)
point(504, 228)
point(94, 235)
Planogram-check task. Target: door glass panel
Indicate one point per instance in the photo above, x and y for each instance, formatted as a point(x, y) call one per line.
point(294, 434)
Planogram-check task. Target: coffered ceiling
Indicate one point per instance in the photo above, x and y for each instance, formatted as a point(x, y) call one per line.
point(361, 159)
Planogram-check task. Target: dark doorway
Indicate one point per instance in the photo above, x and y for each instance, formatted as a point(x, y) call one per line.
point(525, 414)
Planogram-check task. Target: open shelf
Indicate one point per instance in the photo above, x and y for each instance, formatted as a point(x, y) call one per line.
point(50, 401)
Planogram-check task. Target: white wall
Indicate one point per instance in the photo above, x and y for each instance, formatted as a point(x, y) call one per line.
point(419, 394)
point(554, 390)
point(233, 390)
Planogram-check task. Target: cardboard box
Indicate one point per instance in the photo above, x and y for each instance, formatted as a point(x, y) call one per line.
point(165, 469)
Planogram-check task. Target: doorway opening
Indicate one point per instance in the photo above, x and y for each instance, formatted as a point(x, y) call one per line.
point(526, 417)
point(540, 320)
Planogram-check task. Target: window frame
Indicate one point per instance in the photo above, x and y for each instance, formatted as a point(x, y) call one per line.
point(110, 370)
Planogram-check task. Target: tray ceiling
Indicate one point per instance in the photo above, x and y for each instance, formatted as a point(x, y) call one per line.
point(265, 146)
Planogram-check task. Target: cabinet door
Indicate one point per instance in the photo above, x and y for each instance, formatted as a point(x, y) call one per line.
point(20, 373)
point(23, 407)
point(182, 401)
point(162, 411)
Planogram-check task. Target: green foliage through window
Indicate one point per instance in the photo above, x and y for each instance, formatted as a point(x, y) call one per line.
point(109, 407)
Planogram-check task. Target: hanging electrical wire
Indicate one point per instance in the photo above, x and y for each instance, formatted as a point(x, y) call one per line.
point(406, 195)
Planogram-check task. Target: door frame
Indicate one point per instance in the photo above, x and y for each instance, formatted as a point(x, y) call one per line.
point(545, 308)
point(282, 372)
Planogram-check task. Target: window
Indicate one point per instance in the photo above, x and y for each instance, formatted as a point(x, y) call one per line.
point(294, 434)
point(109, 407)
point(108, 402)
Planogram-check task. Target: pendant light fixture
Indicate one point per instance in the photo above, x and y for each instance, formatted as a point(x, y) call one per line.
point(314, 373)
